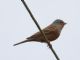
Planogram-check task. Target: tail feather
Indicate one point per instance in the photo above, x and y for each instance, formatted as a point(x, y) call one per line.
point(22, 42)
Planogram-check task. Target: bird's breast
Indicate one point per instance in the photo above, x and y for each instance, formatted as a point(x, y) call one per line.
point(53, 36)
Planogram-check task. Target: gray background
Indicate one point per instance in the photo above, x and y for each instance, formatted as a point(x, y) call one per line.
point(16, 25)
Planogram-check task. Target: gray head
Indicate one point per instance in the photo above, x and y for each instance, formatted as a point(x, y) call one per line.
point(59, 24)
point(59, 21)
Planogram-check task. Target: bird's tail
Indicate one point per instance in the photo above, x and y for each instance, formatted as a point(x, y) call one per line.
point(22, 42)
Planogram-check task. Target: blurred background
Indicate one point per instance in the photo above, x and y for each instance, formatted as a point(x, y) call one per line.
point(16, 25)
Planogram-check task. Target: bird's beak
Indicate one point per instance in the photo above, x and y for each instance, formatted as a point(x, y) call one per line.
point(65, 23)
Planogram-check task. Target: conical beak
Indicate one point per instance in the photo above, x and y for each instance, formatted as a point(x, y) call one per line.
point(65, 23)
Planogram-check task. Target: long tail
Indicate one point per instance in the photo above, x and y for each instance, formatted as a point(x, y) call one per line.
point(22, 42)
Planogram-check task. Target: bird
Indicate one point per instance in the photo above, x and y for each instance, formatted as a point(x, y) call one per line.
point(52, 32)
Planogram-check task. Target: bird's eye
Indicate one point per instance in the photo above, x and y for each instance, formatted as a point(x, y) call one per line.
point(61, 22)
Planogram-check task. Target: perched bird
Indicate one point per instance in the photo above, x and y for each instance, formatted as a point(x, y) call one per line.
point(52, 32)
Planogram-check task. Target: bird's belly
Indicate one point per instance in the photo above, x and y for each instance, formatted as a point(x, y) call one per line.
point(51, 37)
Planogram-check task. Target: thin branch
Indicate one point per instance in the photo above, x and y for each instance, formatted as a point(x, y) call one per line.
point(50, 46)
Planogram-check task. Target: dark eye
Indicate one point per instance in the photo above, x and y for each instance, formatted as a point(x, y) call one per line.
point(61, 22)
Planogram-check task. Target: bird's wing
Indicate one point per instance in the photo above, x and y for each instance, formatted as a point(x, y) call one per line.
point(46, 31)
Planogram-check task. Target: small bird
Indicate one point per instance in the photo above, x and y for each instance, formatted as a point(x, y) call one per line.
point(52, 32)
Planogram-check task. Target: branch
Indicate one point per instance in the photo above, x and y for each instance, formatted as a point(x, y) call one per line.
point(50, 46)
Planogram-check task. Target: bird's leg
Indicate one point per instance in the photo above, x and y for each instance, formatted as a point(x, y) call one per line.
point(48, 44)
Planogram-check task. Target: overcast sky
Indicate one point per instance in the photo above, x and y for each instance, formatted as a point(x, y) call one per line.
point(16, 25)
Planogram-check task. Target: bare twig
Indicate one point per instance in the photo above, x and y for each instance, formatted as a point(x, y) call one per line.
point(50, 46)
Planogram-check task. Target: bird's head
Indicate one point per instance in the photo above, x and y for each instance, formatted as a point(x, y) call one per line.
point(59, 24)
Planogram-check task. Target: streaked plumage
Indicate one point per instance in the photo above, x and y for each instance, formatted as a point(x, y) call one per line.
point(52, 32)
